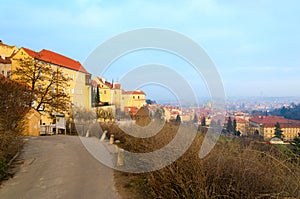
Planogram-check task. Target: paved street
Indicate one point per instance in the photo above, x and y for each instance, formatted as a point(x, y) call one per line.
point(59, 167)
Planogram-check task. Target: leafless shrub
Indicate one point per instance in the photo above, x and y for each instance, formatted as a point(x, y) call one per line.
point(15, 101)
point(235, 168)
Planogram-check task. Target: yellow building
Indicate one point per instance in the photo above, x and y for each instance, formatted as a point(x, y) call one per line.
point(104, 90)
point(5, 66)
point(6, 52)
point(242, 125)
point(131, 99)
point(112, 94)
point(79, 79)
point(265, 125)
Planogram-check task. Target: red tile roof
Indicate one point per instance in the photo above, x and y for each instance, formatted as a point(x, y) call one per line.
point(32, 53)
point(131, 109)
point(117, 86)
point(267, 119)
point(241, 120)
point(105, 82)
point(137, 92)
point(57, 59)
point(6, 60)
point(270, 121)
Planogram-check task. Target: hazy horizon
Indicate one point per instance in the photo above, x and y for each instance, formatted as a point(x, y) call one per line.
point(255, 45)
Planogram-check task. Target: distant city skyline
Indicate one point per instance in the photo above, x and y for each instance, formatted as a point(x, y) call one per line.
point(255, 45)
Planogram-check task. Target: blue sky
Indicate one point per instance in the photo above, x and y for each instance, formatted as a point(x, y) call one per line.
point(255, 45)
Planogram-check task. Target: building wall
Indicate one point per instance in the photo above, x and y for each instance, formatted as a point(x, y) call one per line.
point(289, 133)
point(32, 123)
point(116, 97)
point(104, 90)
point(242, 127)
point(80, 93)
point(134, 100)
point(6, 50)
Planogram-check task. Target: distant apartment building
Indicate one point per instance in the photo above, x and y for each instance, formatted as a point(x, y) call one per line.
point(109, 93)
point(265, 126)
point(113, 94)
point(242, 125)
point(133, 99)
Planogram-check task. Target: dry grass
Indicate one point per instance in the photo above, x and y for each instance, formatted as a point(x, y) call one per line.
point(235, 168)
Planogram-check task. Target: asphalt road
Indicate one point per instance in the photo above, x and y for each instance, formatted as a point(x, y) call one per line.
point(59, 167)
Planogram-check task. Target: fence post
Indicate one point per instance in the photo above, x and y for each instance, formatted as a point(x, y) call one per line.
point(111, 140)
point(103, 136)
point(120, 161)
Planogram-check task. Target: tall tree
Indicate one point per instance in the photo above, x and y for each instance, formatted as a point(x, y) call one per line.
point(14, 103)
point(178, 119)
point(234, 127)
point(278, 131)
point(14, 100)
point(97, 100)
point(48, 84)
point(295, 143)
point(195, 119)
point(203, 121)
point(229, 126)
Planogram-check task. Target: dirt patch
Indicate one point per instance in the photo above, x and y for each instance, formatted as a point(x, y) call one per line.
point(131, 186)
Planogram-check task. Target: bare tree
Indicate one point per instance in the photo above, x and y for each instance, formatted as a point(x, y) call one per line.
point(14, 100)
point(48, 85)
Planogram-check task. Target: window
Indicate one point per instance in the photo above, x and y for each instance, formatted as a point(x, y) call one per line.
point(8, 74)
point(104, 92)
point(62, 74)
point(133, 97)
point(53, 89)
point(138, 97)
point(40, 71)
point(3, 72)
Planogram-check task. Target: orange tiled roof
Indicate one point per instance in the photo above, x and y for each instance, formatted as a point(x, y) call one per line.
point(6, 60)
point(117, 86)
point(57, 59)
point(270, 121)
point(138, 92)
point(105, 82)
point(241, 120)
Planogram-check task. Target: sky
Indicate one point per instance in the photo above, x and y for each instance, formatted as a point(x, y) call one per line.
point(255, 45)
